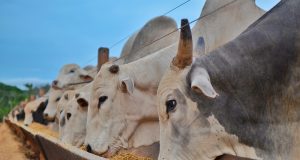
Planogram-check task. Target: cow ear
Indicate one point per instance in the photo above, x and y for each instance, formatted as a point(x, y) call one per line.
point(84, 75)
point(66, 96)
point(86, 78)
point(82, 102)
point(127, 85)
point(200, 46)
point(200, 83)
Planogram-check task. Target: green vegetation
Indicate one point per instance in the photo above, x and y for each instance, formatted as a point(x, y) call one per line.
point(11, 96)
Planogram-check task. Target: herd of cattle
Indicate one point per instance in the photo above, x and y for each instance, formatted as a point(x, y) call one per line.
point(228, 86)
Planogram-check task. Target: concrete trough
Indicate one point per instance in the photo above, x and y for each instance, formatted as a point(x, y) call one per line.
point(48, 147)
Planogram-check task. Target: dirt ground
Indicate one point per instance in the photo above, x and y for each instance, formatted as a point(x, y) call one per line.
point(10, 147)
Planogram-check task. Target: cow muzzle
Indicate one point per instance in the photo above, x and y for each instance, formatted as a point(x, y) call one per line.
point(48, 118)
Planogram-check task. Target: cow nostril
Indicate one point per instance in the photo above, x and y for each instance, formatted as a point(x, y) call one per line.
point(26, 125)
point(89, 148)
point(45, 115)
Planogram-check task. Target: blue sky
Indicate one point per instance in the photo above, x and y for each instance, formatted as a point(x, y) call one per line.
point(38, 37)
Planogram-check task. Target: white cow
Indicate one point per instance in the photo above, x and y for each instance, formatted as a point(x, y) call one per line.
point(33, 108)
point(54, 97)
point(137, 46)
point(123, 107)
point(74, 115)
point(126, 50)
point(150, 32)
point(61, 105)
point(17, 113)
point(69, 74)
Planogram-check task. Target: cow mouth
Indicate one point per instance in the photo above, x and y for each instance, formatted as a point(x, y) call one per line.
point(109, 153)
point(106, 154)
point(228, 156)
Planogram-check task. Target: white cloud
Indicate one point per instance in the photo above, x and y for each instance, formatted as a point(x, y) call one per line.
point(19, 82)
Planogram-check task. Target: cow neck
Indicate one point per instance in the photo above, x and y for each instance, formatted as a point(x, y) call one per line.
point(147, 72)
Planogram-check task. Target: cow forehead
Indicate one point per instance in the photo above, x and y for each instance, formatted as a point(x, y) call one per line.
point(103, 73)
point(104, 70)
point(83, 94)
point(68, 67)
point(104, 78)
point(70, 103)
point(173, 79)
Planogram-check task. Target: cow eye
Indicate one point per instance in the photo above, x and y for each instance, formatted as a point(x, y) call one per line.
point(72, 71)
point(171, 105)
point(68, 116)
point(102, 99)
point(57, 99)
point(66, 97)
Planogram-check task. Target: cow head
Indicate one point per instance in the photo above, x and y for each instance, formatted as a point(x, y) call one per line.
point(28, 115)
point(34, 111)
point(73, 118)
point(71, 73)
point(185, 133)
point(18, 113)
point(121, 113)
point(66, 97)
point(51, 108)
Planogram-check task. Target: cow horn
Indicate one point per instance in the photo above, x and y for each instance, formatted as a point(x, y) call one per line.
point(184, 55)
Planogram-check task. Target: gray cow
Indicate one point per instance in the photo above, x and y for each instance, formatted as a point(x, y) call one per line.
point(241, 99)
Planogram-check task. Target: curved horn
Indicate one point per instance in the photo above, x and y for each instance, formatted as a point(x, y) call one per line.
point(184, 55)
